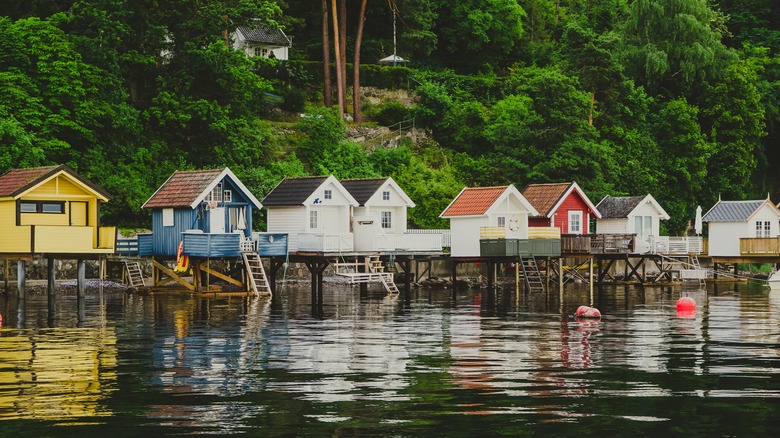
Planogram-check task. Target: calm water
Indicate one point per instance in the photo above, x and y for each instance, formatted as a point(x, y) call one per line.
point(478, 364)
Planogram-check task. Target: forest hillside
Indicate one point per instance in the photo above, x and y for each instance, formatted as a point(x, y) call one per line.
point(677, 98)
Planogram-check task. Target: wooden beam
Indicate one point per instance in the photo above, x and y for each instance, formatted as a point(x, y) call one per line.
point(204, 266)
point(173, 275)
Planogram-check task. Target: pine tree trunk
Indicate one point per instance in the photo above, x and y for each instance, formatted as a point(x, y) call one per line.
point(327, 93)
point(339, 78)
point(343, 46)
point(356, 116)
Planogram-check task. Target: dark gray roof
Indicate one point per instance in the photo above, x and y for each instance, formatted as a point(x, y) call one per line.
point(618, 206)
point(265, 35)
point(732, 211)
point(293, 191)
point(363, 189)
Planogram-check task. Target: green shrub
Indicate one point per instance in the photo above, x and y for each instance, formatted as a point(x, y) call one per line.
point(390, 113)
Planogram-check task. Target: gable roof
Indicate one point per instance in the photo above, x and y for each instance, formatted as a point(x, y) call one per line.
point(547, 198)
point(265, 35)
point(735, 211)
point(618, 207)
point(363, 189)
point(16, 182)
point(296, 191)
point(187, 188)
point(477, 201)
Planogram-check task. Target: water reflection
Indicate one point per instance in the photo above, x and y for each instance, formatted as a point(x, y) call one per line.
point(378, 365)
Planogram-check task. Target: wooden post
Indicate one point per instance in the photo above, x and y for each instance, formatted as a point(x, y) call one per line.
point(491, 272)
point(51, 290)
point(20, 278)
point(590, 279)
point(81, 274)
point(454, 276)
point(5, 267)
point(517, 275)
point(560, 276)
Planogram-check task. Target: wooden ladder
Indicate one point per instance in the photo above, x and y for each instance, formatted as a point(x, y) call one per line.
point(697, 266)
point(134, 274)
point(389, 284)
point(531, 274)
point(255, 273)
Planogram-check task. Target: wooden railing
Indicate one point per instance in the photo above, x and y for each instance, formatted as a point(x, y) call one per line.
point(612, 243)
point(325, 242)
point(575, 244)
point(759, 245)
point(446, 235)
point(409, 242)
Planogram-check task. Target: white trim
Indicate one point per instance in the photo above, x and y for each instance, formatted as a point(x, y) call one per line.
point(662, 214)
point(574, 186)
point(330, 180)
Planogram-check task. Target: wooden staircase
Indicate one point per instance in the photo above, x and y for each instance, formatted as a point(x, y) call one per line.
point(375, 265)
point(531, 274)
point(134, 275)
point(255, 273)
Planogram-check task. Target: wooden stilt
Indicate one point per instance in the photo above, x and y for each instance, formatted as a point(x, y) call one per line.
point(20, 283)
point(590, 279)
point(5, 267)
point(51, 290)
point(80, 294)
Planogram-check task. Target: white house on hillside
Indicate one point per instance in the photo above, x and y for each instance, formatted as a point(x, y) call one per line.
point(729, 222)
point(476, 208)
point(261, 40)
point(315, 212)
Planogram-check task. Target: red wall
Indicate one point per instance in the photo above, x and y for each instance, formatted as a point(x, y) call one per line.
point(561, 218)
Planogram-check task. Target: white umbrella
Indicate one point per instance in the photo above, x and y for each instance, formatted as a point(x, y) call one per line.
point(241, 219)
point(697, 222)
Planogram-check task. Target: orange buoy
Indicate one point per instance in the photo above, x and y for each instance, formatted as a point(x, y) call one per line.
point(587, 312)
point(686, 304)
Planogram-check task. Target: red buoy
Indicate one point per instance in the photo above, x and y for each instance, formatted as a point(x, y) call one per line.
point(587, 312)
point(686, 304)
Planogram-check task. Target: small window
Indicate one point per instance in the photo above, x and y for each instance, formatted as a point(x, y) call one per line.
point(501, 221)
point(227, 196)
point(328, 194)
point(28, 207)
point(313, 220)
point(216, 193)
point(387, 219)
point(167, 217)
point(763, 228)
point(386, 196)
point(575, 222)
point(50, 207)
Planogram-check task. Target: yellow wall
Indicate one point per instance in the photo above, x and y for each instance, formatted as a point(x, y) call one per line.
point(53, 232)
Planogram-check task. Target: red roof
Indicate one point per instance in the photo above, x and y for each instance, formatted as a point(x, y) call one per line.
point(474, 201)
point(182, 188)
point(18, 181)
point(544, 196)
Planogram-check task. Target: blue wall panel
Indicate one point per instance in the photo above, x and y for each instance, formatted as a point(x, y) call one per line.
point(271, 244)
point(166, 239)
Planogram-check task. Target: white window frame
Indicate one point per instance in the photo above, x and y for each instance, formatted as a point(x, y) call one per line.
point(763, 229)
point(167, 217)
point(328, 194)
point(227, 196)
point(386, 219)
point(313, 222)
point(575, 221)
point(386, 195)
point(216, 193)
point(501, 221)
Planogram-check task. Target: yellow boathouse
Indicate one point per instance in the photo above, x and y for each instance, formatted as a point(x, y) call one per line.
point(51, 211)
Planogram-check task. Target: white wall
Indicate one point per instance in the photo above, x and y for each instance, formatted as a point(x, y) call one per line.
point(612, 226)
point(465, 235)
point(764, 214)
point(291, 220)
point(724, 237)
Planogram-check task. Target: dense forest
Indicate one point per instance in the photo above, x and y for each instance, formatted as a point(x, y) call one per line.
point(678, 98)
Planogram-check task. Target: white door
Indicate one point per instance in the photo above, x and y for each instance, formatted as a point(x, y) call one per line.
point(217, 220)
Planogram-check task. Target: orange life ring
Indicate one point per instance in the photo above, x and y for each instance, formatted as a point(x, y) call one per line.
point(181, 249)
